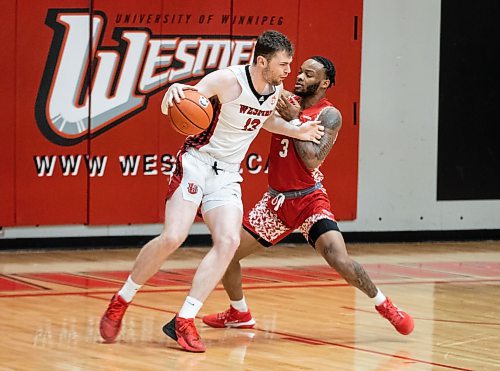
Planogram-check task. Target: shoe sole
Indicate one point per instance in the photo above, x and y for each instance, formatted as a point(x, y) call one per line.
point(244, 325)
point(106, 338)
point(186, 346)
point(247, 324)
point(408, 330)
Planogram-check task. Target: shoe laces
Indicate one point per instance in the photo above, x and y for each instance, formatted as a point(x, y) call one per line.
point(115, 310)
point(393, 313)
point(222, 316)
point(187, 327)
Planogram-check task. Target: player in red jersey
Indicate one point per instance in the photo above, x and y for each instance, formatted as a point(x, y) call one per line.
point(297, 200)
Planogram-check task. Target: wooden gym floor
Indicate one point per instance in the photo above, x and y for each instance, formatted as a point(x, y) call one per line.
point(307, 317)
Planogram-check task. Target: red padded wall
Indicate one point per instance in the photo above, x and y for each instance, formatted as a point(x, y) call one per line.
point(86, 84)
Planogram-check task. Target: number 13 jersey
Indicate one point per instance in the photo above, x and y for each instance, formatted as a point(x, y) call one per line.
point(236, 123)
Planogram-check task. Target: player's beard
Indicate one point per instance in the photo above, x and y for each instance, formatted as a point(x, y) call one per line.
point(268, 76)
point(310, 90)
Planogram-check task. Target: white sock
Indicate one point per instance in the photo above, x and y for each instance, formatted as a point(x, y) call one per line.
point(379, 298)
point(240, 305)
point(129, 289)
point(190, 308)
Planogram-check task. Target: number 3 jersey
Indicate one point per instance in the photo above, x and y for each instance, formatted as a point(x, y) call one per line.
point(287, 171)
point(236, 123)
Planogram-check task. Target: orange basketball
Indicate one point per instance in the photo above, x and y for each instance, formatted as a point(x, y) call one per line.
point(192, 115)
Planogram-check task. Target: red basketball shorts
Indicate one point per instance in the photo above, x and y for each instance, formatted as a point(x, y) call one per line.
point(270, 222)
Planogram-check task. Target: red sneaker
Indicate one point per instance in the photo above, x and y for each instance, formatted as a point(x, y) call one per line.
point(183, 330)
point(111, 321)
point(230, 318)
point(401, 321)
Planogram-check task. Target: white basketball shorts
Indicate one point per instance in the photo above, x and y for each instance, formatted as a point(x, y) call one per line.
point(207, 181)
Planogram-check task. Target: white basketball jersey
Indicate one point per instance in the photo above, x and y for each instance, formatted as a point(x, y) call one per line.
point(238, 121)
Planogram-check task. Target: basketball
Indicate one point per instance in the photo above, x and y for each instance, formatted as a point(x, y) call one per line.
point(192, 115)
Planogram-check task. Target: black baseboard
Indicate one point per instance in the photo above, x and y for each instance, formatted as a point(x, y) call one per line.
point(84, 243)
point(423, 236)
point(118, 242)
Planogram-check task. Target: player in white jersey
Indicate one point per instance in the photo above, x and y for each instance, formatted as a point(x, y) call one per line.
point(207, 175)
point(239, 120)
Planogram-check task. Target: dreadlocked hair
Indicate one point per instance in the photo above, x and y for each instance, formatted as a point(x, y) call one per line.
point(329, 68)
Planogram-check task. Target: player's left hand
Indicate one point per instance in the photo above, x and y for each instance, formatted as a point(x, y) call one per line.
point(288, 108)
point(311, 131)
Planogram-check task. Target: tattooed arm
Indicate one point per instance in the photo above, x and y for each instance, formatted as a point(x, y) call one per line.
point(313, 154)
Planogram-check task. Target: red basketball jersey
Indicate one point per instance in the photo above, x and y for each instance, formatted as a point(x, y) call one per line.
point(287, 172)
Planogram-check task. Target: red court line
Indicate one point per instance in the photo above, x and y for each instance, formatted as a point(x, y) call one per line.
point(262, 275)
point(279, 274)
point(114, 275)
point(266, 287)
point(319, 272)
point(311, 341)
point(329, 272)
point(174, 276)
point(275, 274)
point(303, 339)
point(161, 278)
point(72, 280)
point(249, 280)
point(8, 283)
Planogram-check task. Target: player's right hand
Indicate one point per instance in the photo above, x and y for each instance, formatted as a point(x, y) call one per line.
point(174, 92)
point(288, 107)
point(311, 131)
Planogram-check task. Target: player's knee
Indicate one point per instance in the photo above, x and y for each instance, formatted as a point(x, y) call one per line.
point(335, 256)
point(170, 241)
point(322, 228)
point(227, 243)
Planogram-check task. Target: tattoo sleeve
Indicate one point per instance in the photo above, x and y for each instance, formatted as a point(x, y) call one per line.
point(362, 281)
point(313, 154)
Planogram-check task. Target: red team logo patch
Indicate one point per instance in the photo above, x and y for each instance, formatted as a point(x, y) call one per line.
point(192, 188)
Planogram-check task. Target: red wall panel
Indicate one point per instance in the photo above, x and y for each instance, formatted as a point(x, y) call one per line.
point(44, 197)
point(124, 195)
point(7, 124)
point(92, 91)
point(334, 36)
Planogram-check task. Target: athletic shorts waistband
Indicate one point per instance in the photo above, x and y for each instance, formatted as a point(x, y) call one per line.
point(209, 160)
point(296, 194)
